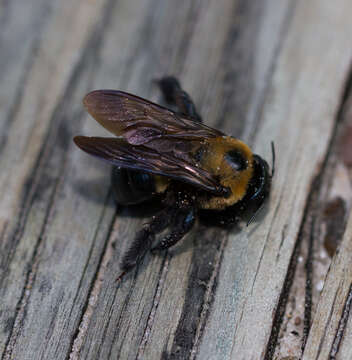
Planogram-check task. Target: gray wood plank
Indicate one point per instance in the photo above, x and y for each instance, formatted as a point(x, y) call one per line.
point(21, 28)
point(257, 70)
point(322, 230)
point(33, 156)
point(299, 115)
point(150, 323)
point(342, 345)
point(330, 334)
point(331, 329)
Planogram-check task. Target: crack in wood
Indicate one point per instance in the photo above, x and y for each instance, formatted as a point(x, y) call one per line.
point(322, 339)
point(281, 306)
point(283, 237)
point(155, 302)
point(309, 281)
point(260, 260)
point(206, 262)
point(308, 287)
point(93, 294)
point(121, 316)
point(208, 298)
point(342, 326)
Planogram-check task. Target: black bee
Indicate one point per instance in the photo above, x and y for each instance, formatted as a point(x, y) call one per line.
point(158, 152)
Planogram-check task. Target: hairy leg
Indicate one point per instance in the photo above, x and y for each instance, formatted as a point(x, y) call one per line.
point(144, 240)
point(179, 213)
point(183, 223)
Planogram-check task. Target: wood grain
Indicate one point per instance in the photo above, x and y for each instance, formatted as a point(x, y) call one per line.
point(261, 71)
point(266, 252)
point(331, 329)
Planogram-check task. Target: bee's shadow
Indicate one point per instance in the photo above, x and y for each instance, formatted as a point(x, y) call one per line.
point(91, 190)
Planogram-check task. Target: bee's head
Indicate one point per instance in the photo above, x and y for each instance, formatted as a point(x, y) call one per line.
point(261, 181)
point(260, 184)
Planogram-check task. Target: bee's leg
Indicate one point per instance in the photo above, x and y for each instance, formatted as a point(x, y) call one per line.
point(184, 220)
point(174, 95)
point(144, 240)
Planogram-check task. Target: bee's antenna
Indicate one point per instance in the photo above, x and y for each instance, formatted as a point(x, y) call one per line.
point(273, 158)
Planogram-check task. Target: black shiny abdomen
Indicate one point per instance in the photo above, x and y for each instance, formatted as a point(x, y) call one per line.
point(131, 186)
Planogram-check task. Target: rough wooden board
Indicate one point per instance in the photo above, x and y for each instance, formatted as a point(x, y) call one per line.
point(60, 246)
point(307, 100)
point(163, 323)
point(331, 221)
point(342, 349)
point(331, 329)
point(29, 181)
point(324, 224)
point(20, 24)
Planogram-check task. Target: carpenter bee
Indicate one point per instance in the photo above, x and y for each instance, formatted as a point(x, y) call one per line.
point(195, 169)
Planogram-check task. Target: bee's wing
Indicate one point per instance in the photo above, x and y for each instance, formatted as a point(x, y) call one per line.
point(140, 121)
point(119, 152)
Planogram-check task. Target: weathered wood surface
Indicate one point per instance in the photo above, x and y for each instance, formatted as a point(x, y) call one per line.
point(331, 331)
point(262, 71)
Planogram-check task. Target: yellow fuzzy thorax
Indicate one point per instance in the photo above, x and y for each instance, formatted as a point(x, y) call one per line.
point(214, 161)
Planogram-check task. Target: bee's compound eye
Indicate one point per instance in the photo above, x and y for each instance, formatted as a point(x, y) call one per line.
point(236, 160)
